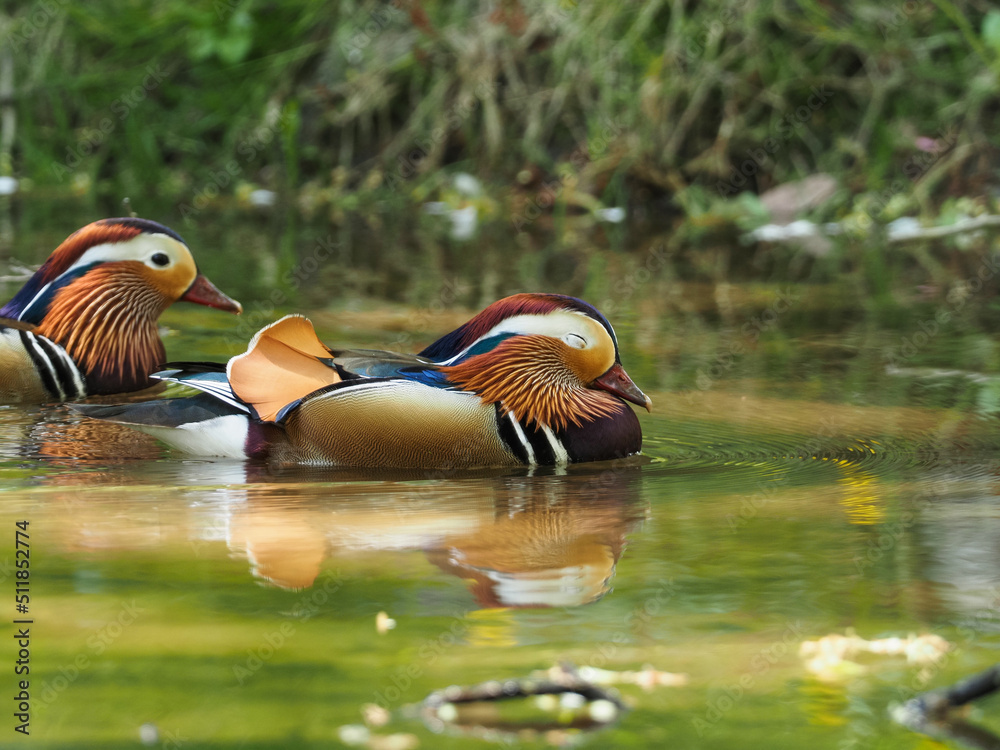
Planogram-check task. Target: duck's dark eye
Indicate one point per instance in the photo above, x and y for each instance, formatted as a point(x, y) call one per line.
point(160, 259)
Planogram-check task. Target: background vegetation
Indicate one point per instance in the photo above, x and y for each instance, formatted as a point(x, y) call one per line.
point(659, 107)
point(387, 166)
point(398, 131)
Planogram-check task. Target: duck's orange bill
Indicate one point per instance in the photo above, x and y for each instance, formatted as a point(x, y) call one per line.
point(617, 381)
point(204, 292)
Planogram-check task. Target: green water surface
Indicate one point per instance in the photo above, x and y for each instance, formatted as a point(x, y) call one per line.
point(801, 478)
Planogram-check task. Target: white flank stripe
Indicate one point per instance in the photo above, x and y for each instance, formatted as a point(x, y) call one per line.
point(561, 454)
point(524, 441)
point(43, 355)
point(81, 388)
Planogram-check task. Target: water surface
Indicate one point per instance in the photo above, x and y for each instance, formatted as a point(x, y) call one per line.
point(796, 482)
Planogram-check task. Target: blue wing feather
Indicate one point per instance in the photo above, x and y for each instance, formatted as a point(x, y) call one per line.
point(208, 377)
point(32, 302)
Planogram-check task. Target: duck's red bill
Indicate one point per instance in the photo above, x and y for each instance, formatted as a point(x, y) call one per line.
point(204, 292)
point(617, 381)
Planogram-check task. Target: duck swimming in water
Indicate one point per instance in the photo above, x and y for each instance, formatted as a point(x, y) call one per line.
point(532, 379)
point(85, 322)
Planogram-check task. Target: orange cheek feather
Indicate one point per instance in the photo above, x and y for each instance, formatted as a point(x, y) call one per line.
point(588, 364)
point(534, 377)
point(171, 283)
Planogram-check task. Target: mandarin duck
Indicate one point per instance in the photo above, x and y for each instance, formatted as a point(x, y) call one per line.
point(532, 379)
point(85, 323)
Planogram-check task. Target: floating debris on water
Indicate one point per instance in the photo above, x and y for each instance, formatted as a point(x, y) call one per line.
point(384, 623)
point(832, 657)
point(647, 678)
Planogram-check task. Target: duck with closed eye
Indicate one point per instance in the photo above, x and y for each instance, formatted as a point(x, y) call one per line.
point(532, 379)
point(85, 323)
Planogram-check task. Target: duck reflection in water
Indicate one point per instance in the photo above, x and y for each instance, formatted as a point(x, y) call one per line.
point(518, 538)
point(517, 541)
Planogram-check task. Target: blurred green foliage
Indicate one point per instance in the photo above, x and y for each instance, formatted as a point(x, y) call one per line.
point(333, 104)
point(281, 130)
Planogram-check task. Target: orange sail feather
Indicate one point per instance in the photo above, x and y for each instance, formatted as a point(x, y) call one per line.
point(281, 365)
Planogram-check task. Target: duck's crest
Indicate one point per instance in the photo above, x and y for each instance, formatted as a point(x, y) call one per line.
point(105, 231)
point(518, 304)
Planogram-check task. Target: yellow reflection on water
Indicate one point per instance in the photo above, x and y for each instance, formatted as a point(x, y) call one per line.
point(491, 627)
point(863, 497)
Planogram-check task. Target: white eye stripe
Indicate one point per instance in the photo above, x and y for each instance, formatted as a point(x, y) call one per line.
point(142, 247)
point(559, 325)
